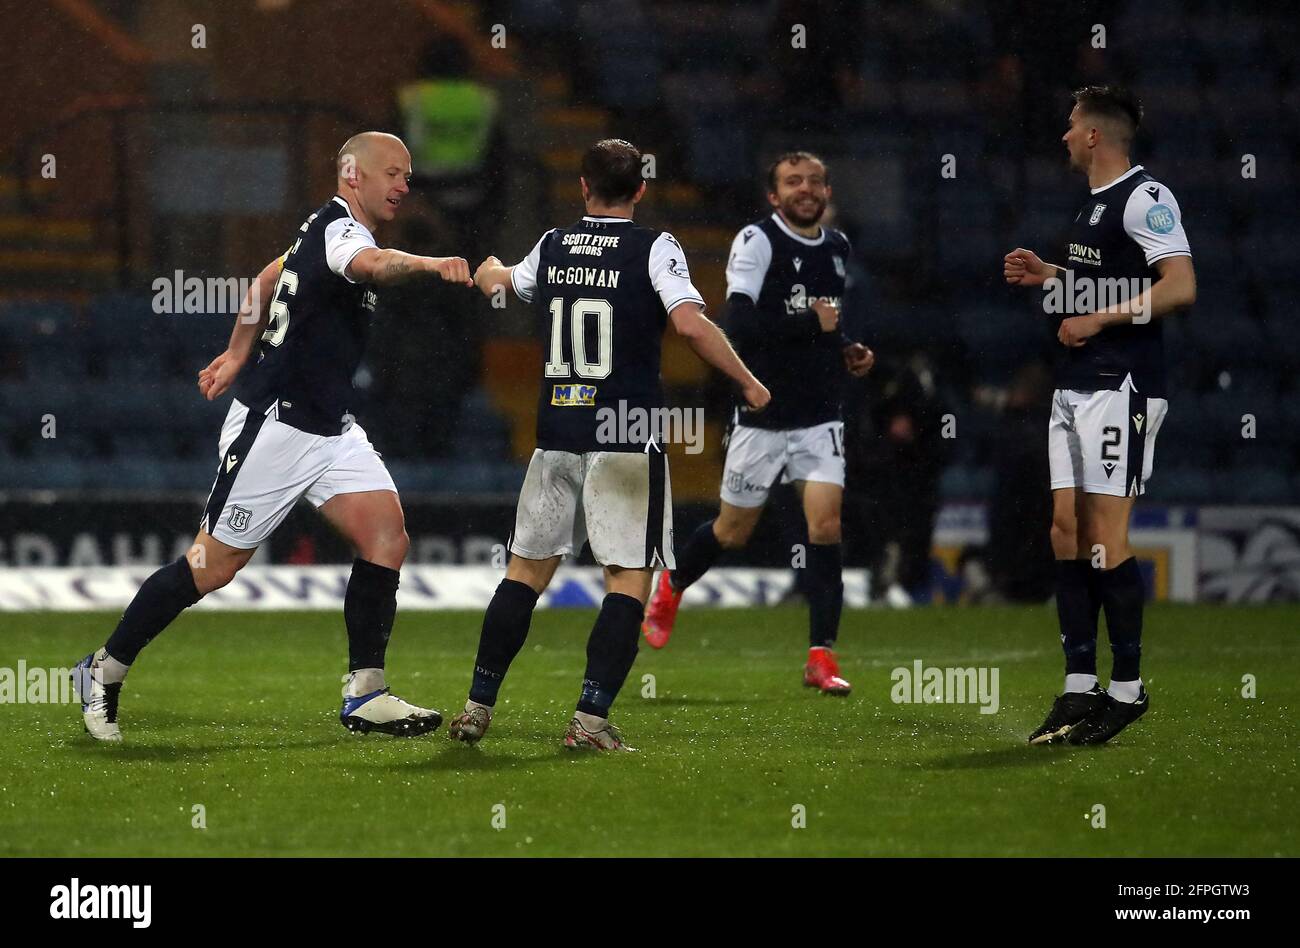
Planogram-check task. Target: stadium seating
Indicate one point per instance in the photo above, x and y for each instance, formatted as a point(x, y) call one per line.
point(931, 245)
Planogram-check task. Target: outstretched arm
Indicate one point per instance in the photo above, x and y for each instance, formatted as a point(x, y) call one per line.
point(491, 273)
point(222, 371)
point(709, 343)
point(386, 267)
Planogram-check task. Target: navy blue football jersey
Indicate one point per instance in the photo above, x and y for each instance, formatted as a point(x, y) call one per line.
point(317, 329)
point(1121, 231)
point(602, 290)
point(784, 273)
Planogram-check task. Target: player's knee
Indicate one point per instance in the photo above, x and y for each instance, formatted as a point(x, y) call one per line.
point(732, 536)
point(1065, 537)
point(215, 575)
point(824, 530)
point(388, 548)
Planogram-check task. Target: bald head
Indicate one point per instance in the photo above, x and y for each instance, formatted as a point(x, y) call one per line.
point(365, 148)
point(373, 171)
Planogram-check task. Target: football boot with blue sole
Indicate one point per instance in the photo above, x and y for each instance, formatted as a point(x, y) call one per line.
point(98, 700)
point(386, 713)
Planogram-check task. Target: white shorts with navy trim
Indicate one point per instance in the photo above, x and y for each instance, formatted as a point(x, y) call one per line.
point(757, 456)
point(619, 502)
point(266, 466)
point(1104, 441)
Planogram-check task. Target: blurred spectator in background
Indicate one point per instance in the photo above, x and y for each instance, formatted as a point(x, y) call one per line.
point(896, 452)
point(816, 88)
point(452, 123)
point(426, 354)
point(1020, 557)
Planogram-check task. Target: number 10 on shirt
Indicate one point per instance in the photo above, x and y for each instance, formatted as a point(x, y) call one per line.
point(603, 310)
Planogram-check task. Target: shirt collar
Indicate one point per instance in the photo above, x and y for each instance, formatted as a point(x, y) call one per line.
point(810, 241)
point(1131, 171)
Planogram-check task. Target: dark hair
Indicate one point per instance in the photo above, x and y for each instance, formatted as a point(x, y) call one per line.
point(1113, 102)
point(612, 170)
point(794, 156)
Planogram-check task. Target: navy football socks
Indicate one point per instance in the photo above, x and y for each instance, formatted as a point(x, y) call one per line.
point(824, 587)
point(1121, 593)
point(611, 650)
point(369, 607)
point(693, 561)
point(162, 597)
point(1077, 608)
point(505, 627)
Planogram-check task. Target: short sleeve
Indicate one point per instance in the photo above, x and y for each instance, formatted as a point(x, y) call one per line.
point(1153, 219)
point(669, 274)
point(523, 275)
point(344, 239)
point(751, 255)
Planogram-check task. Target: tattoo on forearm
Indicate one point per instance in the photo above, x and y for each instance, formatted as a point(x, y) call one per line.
point(396, 268)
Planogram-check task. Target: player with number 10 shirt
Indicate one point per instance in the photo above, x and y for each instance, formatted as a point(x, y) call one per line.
point(603, 291)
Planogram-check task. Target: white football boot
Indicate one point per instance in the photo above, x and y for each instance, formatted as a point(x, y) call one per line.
point(98, 700)
point(368, 706)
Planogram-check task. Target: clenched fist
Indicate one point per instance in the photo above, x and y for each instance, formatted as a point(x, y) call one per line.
point(828, 315)
point(453, 269)
point(756, 395)
point(1022, 267)
point(858, 359)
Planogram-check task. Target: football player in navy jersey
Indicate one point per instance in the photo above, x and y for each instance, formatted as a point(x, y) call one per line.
point(290, 433)
point(1126, 242)
point(785, 282)
point(604, 290)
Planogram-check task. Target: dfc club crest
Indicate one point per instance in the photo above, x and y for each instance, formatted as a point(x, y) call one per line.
point(239, 519)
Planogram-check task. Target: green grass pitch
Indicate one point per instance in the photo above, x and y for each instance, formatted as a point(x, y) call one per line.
point(238, 713)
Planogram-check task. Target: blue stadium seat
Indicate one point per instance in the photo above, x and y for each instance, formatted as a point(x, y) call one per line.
point(54, 473)
point(1261, 485)
point(120, 322)
point(33, 317)
point(137, 472)
point(960, 482)
point(717, 152)
point(998, 340)
point(1229, 39)
point(1271, 448)
point(1182, 485)
point(1182, 440)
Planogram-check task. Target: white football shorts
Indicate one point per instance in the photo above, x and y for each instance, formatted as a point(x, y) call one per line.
point(1104, 441)
point(756, 456)
point(266, 466)
point(619, 502)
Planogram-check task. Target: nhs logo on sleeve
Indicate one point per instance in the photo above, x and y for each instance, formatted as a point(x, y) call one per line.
point(1160, 218)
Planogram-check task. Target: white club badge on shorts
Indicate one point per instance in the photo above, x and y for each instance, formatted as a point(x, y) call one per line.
point(756, 457)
